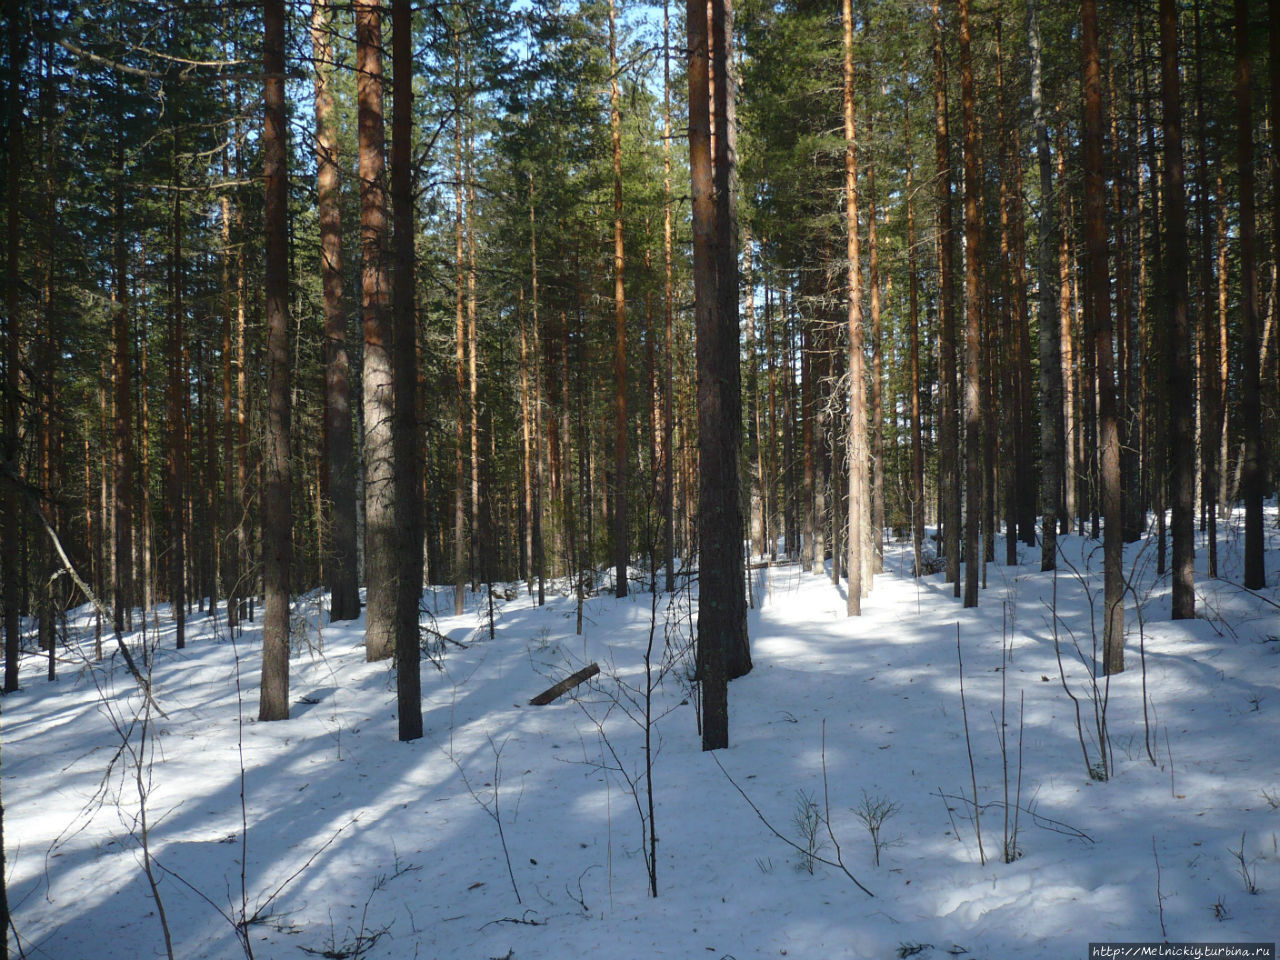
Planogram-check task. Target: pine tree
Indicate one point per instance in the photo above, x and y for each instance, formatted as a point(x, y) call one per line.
point(278, 501)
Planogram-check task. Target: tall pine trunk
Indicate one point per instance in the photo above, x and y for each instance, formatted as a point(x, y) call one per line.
point(460, 355)
point(728, 371)
point(668, 300)
point(277, 495)
point(858, 505)
point(10, 550)
point(716, 496)
point(875, 535)
point(1052, 443)
point(1100, 321)
point(123, 384)
point(340, 564)
point(621, 547)
point(1182, 453)
point(973, 310)
point(1210, 387)
point(407, 487)
point(913, 319)
point(379, 392)
point(949, 439)
point(1255, 574)
point(177, 441)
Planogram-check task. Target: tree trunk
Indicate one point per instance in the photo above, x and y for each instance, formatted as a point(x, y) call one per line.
point(538, 555)
point(10, 551)
point(460, 353)
point(1099, 294)
point(1210, 386)
point(949, 439)
point(122, 382)
point(277, 505)
point(668, 301)
point(341, 555)
point(1255, 573)
point(479, 553)
point(381, 534)
point(1182, 453)
point(875, 534)
point(177, 445)
point(728, 373)
point(716, 497)
point(1051, 427)
point(913, 315)
point(973, 336)
point(1004, 355)
point(405, 433)
point(621, 530)
point(858, 505)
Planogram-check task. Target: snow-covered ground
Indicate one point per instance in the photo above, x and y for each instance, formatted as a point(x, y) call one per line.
point(339, 841)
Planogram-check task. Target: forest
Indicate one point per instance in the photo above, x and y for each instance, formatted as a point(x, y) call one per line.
point(370, 367)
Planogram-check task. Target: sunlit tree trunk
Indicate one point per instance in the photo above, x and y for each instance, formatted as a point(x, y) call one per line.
point(277, 495)
point(875, 535)
point(949, 439)
point(177, 445)
point(858, 505)
point(728, 372)
point(719, 538)
point(340, 560)
point(668, 300)
point(913, 319)
point(122, 379)
point(379, 392)
point(460, 351)
point(621, 546)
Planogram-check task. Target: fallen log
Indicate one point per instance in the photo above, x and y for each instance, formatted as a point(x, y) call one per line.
point(565, 685)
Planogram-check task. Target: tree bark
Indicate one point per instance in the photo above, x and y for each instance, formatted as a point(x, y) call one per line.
point(973, 309)
point(949, 439)
point(406, 436)
point(277, 495)
point(715, 502)
point(1099, 295)
point(177, 441)
point(668, 301)
point(381, 522)
point(460, 352)
point(858, 505)
point(341, 555)
point(1210, 391)
point(875, 534)
point(1182, 453)
point(1051, 427)
point(913, 315)
point(621, 529)
point(728, 371)
point(123, 383)
point(1255, 573)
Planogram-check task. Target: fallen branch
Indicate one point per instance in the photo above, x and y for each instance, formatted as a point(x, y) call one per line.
point(98, 605)
point(565, 685)
point(1045, 823)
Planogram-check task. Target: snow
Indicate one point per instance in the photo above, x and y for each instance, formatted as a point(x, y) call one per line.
point(358, 845)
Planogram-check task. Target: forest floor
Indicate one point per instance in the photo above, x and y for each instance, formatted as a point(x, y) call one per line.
point(514, 831)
